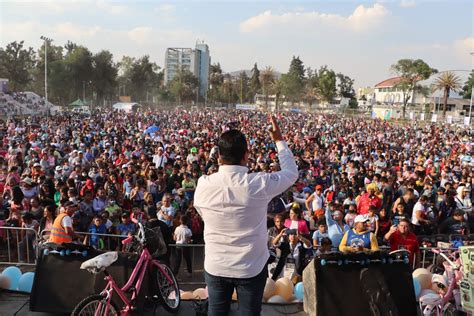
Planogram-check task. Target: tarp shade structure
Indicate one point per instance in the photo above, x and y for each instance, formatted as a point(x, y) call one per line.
point(78, 102)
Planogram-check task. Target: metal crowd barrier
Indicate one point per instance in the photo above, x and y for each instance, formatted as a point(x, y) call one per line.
point(18, 246)
point(197, 263)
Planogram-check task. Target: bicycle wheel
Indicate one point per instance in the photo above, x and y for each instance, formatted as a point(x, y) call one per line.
point(167, 292)
point(95, 305)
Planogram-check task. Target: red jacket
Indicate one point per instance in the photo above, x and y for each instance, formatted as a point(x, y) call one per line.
point(302, 227)
point(366, 201)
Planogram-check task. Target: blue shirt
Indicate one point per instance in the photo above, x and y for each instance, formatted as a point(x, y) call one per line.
point(335, 231)
point(125, 229)
point(94, 241)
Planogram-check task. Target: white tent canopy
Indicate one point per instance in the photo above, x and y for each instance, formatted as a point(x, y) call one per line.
point(127, 106)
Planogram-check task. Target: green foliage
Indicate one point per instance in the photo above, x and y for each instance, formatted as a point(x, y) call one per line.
point(411, 71)
point(345, 86)
point(255, 84)
point(326, 84)
point(216, 78)
point(15, 65)
point(294, 81)
point(183, 86)
point(243, 87)
point(104, 74)
point(467, 88)
point(144, 78)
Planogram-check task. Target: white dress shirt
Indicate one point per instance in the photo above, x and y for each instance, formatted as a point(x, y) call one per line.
point(233, 204)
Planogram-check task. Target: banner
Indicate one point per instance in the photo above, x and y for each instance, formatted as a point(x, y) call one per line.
point(467, 120)
point(245, 107)
point(412, 116)
point(434, 118)
point(449, 119)
point(422, 116)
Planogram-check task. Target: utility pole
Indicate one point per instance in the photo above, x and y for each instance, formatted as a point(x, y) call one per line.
point(46, 40)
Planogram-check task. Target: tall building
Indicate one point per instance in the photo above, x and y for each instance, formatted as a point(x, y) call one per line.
point(195, 60)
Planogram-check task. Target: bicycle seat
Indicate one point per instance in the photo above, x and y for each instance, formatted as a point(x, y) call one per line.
point(100, 263)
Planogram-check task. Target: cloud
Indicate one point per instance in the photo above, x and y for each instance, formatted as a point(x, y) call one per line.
point(110, 7)
point(407, 3)
point(463, 49)
point(70, 30)
point(361, 19)
point(140, 35)
point(165, 8)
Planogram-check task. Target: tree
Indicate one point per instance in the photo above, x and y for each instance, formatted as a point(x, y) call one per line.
point(216, 78)
point(255, 84)
point(143, 78)
point(104, 75)
point(326, 89)
point(277, 88)
point(183, 86)
point(294, 81)
point(446, 81)
point(16, 64)
point(58, 81)
point(243, 87)
point(467, 88)
point(125, 73)
point(79, 65)
point(345, 86)
point(267, 78)
point(410, 72)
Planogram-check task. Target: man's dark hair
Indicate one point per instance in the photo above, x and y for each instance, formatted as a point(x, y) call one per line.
point(232, 147)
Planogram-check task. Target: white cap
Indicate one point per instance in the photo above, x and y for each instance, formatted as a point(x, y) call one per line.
point(360, 219)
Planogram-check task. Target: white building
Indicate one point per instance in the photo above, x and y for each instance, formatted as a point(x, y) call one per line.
point(197, 61)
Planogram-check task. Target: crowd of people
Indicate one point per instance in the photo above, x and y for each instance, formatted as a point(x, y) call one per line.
point(362, 183)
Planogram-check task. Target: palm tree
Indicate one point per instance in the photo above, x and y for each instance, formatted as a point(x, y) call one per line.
point(277, 88)
point(446, 81)
point(267, 78)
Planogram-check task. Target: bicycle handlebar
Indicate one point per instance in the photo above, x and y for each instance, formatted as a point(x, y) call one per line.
point(127, 240)
point(439, 252)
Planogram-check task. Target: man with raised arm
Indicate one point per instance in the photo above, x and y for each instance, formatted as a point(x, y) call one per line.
point(233, 204)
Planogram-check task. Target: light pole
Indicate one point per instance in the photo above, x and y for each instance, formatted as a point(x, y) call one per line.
point(46, 41)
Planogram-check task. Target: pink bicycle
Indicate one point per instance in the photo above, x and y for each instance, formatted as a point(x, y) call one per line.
point(102, 304)
point(443, 303)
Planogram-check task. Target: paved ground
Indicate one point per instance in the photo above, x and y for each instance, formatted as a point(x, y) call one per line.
point(17, 304)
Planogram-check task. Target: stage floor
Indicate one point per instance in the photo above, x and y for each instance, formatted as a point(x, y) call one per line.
point(11, 303)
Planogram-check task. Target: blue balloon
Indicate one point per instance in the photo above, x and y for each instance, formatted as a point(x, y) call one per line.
point(13, 274)
point(417, 287)
point(299, 291)
point(26, 282)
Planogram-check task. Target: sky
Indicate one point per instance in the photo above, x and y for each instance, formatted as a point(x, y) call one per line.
point(361, 39)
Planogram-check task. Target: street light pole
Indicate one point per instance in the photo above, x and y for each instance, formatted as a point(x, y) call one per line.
point(46, 40)
point(470, 105)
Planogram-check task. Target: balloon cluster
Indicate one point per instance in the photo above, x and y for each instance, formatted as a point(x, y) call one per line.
point(425, 282)
point(283, 291)
point(12, 279)
point(280, 292)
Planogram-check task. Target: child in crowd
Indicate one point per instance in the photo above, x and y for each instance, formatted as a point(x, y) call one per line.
point(97, 227)
point(351, 215)
point(127, 227)
point(325, 246)
point(373, 218)
point(320, 233)
point(399, 215)
point(182, 235)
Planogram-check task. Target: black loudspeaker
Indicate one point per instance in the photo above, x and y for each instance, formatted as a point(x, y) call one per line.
point(348, 285)
point(60, 284)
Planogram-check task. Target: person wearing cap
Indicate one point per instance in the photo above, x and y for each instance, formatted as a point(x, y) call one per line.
point(233, 204)
point(359, 238)
point(400, 237)
point(455, 225)
point(316, 200)
point(62, 231)
point(192, 157)
point(463, 200)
